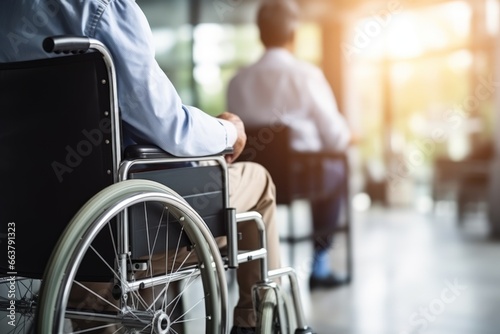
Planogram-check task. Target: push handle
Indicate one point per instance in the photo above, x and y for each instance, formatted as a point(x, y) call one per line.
point(66, 44)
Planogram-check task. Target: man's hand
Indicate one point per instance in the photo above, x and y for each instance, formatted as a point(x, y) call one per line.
point(241, 139)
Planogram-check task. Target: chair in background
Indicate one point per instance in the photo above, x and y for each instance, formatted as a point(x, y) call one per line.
point(297, 175)
point(468, 180)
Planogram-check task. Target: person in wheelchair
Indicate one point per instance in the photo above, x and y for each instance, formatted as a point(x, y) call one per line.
point(151, 109)
point(281, 88)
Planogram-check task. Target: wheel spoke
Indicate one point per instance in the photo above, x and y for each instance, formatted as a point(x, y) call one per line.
point(152, 301)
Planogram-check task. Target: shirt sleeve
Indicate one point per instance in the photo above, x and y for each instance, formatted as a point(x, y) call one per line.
point(150, 106)
point(332, 126)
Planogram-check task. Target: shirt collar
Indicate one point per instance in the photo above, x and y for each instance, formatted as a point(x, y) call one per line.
point(277, 53)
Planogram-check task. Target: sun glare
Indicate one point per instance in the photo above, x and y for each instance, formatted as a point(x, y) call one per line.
point(403, 40)
point(410, 34)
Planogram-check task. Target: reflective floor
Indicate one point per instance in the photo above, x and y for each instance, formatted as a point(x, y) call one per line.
point(414, 273)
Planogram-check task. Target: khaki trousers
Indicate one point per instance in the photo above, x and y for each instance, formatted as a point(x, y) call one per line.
point(251, 189)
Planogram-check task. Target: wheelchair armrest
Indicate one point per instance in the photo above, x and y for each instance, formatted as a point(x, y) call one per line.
point(134, 152)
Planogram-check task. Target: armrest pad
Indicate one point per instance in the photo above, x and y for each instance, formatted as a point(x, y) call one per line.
point(134, 152)
point(145, 152)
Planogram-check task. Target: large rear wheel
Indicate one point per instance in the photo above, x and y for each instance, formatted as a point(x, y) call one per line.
point(95, 283)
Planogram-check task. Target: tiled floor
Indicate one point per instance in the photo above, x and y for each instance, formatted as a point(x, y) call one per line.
point(414, 273)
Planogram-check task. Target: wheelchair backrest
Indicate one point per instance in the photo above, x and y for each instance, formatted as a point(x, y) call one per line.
point(270, 147)
point(56, 146)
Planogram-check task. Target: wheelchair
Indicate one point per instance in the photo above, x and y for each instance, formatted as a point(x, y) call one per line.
point(142, 223)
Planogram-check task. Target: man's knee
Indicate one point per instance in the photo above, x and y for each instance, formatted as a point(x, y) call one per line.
point(256, 174)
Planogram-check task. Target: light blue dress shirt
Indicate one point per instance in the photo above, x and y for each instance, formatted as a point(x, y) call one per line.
point(150, 107)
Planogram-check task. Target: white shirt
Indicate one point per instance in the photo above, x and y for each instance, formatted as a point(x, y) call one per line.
point(152, 111)
point(279, 88)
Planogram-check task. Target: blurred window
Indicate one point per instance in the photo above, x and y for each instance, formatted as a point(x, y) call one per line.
point(422, 75)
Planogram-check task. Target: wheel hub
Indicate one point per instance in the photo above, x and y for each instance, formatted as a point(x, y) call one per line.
point(161, 323)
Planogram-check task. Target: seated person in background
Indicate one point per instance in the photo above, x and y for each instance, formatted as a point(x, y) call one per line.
point(278, 87)
point(152, 111)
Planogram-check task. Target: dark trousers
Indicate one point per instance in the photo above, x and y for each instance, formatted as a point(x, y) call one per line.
point(326, 209)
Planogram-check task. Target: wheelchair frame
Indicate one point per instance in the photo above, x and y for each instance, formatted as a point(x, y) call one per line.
point(112, 204)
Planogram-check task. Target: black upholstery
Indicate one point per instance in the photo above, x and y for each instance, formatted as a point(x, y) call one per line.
point(54, 151)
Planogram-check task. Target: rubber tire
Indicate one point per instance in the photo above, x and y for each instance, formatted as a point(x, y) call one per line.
point(271, 319)
point(93, 216)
